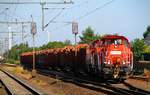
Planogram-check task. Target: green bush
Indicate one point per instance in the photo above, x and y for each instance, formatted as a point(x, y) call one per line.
point(146, 49)
point(12, 61)
point(138, 48)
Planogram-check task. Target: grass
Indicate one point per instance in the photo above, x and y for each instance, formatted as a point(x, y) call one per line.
point(146, 72)
point(40, 82)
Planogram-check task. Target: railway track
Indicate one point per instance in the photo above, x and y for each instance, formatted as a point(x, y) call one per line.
point(16, 86)
point(136, 89)
point(105, 87)
point(141, 78)
point(117, 90)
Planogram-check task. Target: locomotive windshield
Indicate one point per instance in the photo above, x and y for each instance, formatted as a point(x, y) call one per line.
point(117, 41)
point(112, 41)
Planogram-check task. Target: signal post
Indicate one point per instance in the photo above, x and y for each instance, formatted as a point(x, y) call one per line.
point(75, 32)
point(33, 32)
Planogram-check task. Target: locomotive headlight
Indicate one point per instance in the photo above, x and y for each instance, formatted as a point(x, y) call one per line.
point(124, 62)
point(108, 62)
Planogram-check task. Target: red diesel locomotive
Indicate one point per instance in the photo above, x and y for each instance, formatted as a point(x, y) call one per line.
point(110, 56)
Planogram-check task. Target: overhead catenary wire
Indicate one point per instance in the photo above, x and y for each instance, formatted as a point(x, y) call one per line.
point(79, 18)
point(41, 3)
point(2, 12)
point(52, 21)
point(94, 10)
point(87, 14)
point(5, 9)
point(75, 6)
point(6, 15)
point(54, 18)
point(14, 12)
point(15, 33)
point(36, 2)
point(65, 9)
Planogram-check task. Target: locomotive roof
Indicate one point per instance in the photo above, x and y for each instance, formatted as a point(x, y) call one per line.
point(114, 37)
point(110, 37)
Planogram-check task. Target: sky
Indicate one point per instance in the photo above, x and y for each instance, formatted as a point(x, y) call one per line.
point(129, 18)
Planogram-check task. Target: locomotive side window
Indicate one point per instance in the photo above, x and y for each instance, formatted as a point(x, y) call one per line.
point(107, 42)
point(126, 43)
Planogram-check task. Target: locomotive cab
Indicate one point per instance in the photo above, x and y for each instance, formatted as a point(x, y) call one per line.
point(116, 56)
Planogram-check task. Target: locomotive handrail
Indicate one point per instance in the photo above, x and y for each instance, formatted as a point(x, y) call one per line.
point(147, 62)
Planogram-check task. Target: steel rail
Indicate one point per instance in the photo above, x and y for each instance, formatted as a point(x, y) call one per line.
point(137, 89)
point(25, 85)
point(140, 78)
